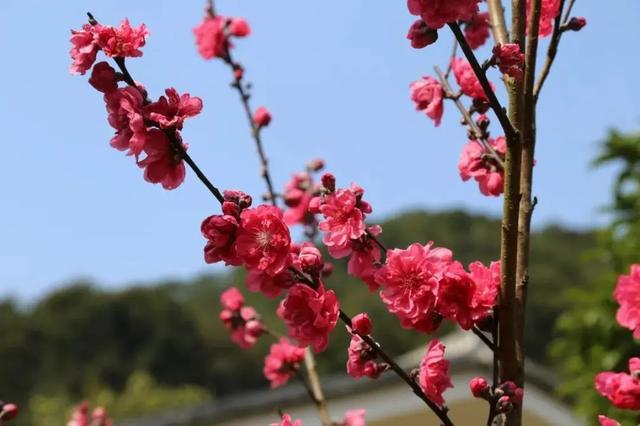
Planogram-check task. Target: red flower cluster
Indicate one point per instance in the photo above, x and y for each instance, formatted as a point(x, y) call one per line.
point(434, 377)
point(282, 362)
point(117, 42)
point(476, 163)
point(627, 294)
point(622, 389)
point(214, 33)
point(436, 13)
point(142, 126)
point(242, 321)
point(81, 416)
point(421, 285)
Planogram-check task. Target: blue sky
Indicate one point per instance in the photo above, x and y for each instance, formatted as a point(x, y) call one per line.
point(335, 75)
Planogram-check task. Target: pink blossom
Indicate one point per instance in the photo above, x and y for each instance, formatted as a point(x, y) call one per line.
point(80, 415)
point(220, 232)
point(238, 27)
point(344, 215)
point(263, 240)
point(286, 421)
point(297, 196)
point(210, 37)
point(122, 41)
point(354, 418)
point(163, 163)
point(261, 117)
point(434, 373)
point(455, 293)
point(84, 48)
point(365, 258)
point(467, 80)
point(475, 163)
point(436, 13)
point(361, 360)
point(606, 421)
point(242, 321)
point(487, 288)
point(427, 94)
point(310, 315)
point(550, 9)
point(421, 35)
point(308, 259)
point(476, 30)
point(361, 324)
point(627, 294)
point(124, 108)
point(174, 109)
point(409, 281)
point(479, 387)
point(103, 78)
point(509, 59)
point(270, 286)
point(282, 362)
point(622, 389)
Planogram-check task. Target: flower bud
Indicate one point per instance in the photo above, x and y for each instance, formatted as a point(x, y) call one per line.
point(315, 165)
point(576, 23)
point(504, 404)
point(329, 182)
point(262, 117)
point(361, 324)
point(479, 387)
point(421, 35)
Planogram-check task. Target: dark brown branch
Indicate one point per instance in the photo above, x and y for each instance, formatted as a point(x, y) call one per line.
point(483, 338)
point(509, 130)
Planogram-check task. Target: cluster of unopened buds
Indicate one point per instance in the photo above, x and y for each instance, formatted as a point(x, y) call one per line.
point(83, 416)
point(8, 411)
point(503, 398)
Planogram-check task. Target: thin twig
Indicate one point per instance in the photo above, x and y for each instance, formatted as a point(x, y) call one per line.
point(484, 338)
point(473, 127)
point(494, 103)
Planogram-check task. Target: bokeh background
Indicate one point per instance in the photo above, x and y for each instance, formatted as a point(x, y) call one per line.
point(142, 308)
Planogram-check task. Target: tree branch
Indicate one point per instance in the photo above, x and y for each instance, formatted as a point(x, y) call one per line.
point(497, 21)
point(494, 103)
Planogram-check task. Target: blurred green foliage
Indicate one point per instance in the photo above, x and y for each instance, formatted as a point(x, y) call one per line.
point(589, 340)
point(81, 338)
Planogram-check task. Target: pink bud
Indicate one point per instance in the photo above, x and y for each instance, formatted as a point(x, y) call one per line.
point(316, 165)
point(232, 299)
point(504, 404)
point(238, 73)
point(479, 387)
point(361, 324)
point(576, 23)
point(314, 205)
point(262, 117)
point(421, 35)
point(239, 27)
point(8, 412)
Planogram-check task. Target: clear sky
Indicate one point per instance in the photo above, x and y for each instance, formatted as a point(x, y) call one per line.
point(335, 75)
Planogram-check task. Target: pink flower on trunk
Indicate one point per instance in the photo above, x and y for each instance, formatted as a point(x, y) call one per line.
point(434, 376)
point(261, 117)
point(242, 321)
point(475, 163)
point(282, 362)
point(124, 108)
point(627, 294)
point(476, 30)
point(103, 78)
point(550, 9)
point(354, 418)
point(84, 49)
point(270, 286)
point(606, 421)
point(163, 163)
point(409, 281)
point(310, 315)
point(220, 232)
point(622, 389)
point(436, 13)
point(467, 80)
point(263, 240)
point(361, 360)
point(123, 41)
point(509, 59)
point(427, 94)
point(171, 111)
point(286, 421)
